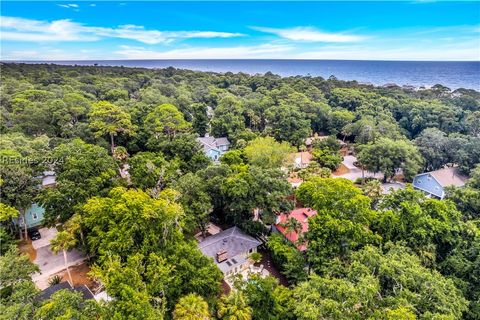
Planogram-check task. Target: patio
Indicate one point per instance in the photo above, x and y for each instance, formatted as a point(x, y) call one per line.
point(246, 273)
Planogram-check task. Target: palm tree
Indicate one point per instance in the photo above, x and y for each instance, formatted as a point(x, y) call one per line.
point(63, 241)
point(234, 307)
point(373, 190)
point(293, 225)
point(191, 307)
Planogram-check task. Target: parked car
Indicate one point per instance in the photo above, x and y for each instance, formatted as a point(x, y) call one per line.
point(34, 234)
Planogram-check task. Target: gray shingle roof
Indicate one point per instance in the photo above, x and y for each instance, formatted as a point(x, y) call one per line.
point(222, 141)
point(212, 142)
point(48, 292)
point(233, 240)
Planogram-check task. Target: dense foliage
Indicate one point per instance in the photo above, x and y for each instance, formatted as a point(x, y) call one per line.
point(133, 186)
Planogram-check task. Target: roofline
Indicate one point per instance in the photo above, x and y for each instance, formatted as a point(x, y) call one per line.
point(443, 192)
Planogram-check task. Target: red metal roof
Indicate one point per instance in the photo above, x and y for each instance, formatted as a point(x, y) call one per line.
point(301, 215)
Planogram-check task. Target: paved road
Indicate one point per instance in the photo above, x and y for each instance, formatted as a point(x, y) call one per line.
point(48, 262)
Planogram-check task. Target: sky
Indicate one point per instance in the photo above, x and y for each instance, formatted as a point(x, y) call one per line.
point(101, 30)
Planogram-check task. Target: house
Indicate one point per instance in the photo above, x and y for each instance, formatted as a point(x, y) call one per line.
point(48, 179)
point(301, 160)
point(230, 249)
point(213, 147)
point(294, 180)
point(48, 292)
point(433, 183)
point(301, 215)
point(34, 214)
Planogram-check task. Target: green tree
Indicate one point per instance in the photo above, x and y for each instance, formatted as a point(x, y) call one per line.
point(249, 187)
point(165, 121)
point(130, 221)
point(150, 170)
point(342, 224)
point(314, 170)
point(388, 156)
point(234, 307)
point(292, 225)
point(17, 290)
point(287, 123)
point(228, 120)
point(200, 119)
point(191, 307)
point(19, 187)
point(338, 119)
point(195, 201)
point(379, 285)
point(373, 190)
point(432, 144)
point(107, 118)
point(430, 227)
point(327, 158)
point(66, 304)
point(63, 241)
point(265, 297)
point(83, 171)
point(291, 261)
point(265, 152)
point(125, 284)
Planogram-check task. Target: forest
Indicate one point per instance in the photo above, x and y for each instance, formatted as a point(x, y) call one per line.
point(370, 255)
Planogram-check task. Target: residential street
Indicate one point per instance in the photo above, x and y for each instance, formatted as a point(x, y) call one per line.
point(48, 262)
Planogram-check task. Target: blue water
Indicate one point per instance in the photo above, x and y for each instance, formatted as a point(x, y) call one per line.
point(417, 73)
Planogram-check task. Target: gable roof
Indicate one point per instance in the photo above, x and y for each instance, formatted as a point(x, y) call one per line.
point(434, 182)
point(232, 240)
point(209, 143)
point(301, 215)
point(223, 141)
point(449, 176)
point(304, 157)
point(48, 292)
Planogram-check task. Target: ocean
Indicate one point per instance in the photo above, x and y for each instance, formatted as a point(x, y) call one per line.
point(465, 74)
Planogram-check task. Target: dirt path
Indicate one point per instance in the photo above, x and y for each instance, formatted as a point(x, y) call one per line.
point(25, 246)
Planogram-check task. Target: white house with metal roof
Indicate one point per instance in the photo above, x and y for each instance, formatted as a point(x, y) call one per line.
point(230, 249)
point(433, 183)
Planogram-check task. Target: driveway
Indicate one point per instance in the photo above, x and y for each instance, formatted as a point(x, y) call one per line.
point(47, 235)
point(355, 172)
point(389, 187)
point(48, 262)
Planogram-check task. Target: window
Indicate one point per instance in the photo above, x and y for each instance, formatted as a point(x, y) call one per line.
point(34, 215)
point(250, 251)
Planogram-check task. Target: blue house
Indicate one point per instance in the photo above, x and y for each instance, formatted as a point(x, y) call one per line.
point(433, 183)
point(34, 214)
point(213, 147)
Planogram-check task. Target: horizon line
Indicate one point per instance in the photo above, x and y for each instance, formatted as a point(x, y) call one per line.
point(235, 59)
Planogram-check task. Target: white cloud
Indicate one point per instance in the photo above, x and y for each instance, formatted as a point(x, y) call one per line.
point(19, 29)
point(93, 5)
point(310, 34)
point(237, 52)
point(70, 5)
